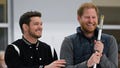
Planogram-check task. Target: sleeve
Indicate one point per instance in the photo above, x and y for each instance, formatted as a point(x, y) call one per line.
point(55, 55)
point(53, 52)
point(110, 61)
point(12, 58)
point(66, 53)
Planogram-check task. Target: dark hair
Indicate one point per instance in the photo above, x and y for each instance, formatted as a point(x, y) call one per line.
point(25, 18)
point(86, 6)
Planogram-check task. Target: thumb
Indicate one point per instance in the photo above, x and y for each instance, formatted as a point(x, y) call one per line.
point(95, 41)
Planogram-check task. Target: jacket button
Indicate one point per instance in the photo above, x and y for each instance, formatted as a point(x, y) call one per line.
point(40, 58)
point(30, 47)
point(31, 57)
point(36, 48)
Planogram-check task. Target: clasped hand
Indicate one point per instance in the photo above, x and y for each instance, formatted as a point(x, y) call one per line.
point(98, 46)
point(95, 58)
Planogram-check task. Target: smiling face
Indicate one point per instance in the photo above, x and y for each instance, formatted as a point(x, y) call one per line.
point(34, 29)
point(88, 20)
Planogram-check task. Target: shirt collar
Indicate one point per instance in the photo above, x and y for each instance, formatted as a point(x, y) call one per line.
point(79, 31)
point(27, 42)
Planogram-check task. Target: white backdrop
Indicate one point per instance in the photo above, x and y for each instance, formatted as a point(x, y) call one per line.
point(59, 18)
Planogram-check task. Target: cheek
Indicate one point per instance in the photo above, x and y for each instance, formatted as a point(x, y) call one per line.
point(85, 20)
point(83, 25)
point(33, 29)
point(96, 20)
point(41, 27)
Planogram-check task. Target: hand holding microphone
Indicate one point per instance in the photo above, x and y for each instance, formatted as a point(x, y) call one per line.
point(98, 44)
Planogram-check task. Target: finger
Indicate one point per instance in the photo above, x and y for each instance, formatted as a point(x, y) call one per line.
point(61, 65)
point(60, 62)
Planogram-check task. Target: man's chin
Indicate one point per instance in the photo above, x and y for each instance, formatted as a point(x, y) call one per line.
point(39, 36)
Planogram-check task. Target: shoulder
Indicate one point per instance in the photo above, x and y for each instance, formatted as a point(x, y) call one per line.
point(107, 36)
point(70, 40)
point(72, 36)
point(17, 42)
point(109, 39)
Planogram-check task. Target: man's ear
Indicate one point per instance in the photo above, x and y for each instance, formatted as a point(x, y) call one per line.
point(78, 18)
point(25, 27)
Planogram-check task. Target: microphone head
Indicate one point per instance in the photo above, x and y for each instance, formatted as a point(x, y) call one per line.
point(101, 21)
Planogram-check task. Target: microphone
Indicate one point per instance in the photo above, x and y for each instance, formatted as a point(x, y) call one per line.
point(100, 27)
point(100, 32)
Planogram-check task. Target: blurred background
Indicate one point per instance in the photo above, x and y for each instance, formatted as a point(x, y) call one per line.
point(59, 19)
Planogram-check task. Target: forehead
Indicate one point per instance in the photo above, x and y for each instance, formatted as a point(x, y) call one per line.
point(35, 19)
point(89, 11)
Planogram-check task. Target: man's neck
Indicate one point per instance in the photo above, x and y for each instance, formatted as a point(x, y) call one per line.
point(88, 34)
point(30, 39)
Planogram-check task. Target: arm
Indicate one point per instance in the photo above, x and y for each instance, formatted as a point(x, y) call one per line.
point(67, 54)
point(56, 64)
point(53, 52)
point(112, 60)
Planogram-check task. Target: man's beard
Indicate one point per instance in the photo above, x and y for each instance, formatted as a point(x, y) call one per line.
point(34, 35)
point(86, 30)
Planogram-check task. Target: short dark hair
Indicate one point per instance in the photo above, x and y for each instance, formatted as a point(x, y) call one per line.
point(86, 6)
point(25, 18)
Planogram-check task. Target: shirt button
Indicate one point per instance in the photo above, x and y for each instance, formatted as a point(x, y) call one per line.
point(31, 57)
point(30, 47)
point(41, 66)
point(40, 58)
point(36, 48)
